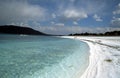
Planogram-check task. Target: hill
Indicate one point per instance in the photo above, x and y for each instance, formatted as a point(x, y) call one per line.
point(11, 29)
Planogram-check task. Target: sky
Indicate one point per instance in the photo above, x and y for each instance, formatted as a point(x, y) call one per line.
point(62, 16)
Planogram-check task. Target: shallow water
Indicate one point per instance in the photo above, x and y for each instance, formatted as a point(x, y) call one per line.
point(41, 57)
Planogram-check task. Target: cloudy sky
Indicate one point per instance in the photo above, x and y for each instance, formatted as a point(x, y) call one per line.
point(62, 16)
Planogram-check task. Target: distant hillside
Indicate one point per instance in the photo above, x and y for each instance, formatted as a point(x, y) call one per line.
point(11, 29)
point(115, 33)
point(111, 33)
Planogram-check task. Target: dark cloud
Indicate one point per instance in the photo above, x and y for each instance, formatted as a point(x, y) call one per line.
point(20, 12)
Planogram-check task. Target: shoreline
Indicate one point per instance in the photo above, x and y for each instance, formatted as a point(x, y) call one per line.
point(104, 57)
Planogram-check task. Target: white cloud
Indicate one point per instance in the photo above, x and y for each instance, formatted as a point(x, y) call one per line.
point(21, 12)
point(52, 22)
point(73, 29)
point(97, 18)
point(80, 9)
point(94, 6)
point(19, 24)
point(75, 23)
point(117, 11)
point(115, 22)
point(35, 23)
point(72, 0)
point(74, 14)
point(59, 24)
point(53, 15)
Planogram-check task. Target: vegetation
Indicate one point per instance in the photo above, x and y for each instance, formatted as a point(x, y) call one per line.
point(108, 60)
point(112, 33)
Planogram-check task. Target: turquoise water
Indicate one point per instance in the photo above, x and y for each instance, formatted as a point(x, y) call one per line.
point(41, 57)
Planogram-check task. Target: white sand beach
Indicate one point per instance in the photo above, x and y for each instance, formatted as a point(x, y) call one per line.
point(104, 59)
